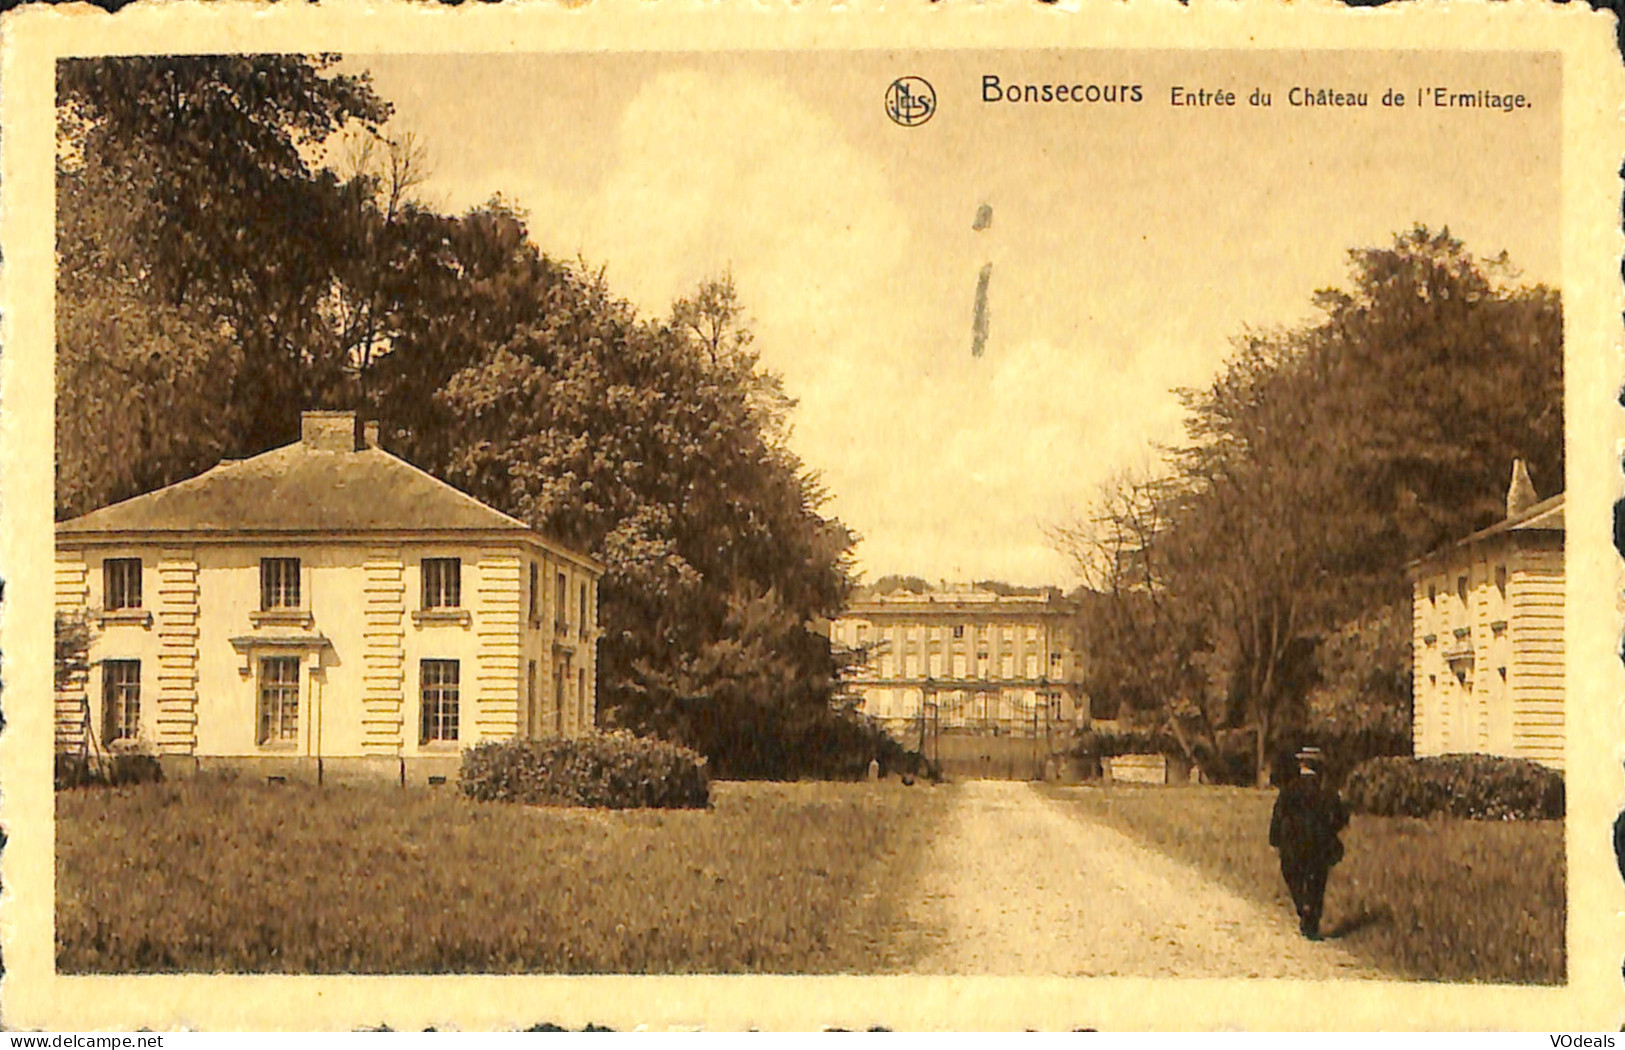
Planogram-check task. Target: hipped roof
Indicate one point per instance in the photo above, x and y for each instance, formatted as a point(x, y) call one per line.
point(1544, 517)
point(299, 489)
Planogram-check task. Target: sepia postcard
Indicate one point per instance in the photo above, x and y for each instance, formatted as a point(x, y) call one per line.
point(980, 517)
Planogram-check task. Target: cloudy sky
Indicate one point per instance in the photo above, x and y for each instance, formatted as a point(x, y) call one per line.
point(1128, 243)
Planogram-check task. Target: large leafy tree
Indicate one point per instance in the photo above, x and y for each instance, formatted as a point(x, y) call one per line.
point(1144, 644)
point(198, 247)
point(1320, 461)
point(660, 447)
point(1437, 371)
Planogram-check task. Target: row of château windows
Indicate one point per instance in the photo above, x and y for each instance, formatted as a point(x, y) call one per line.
point(863, 633)
point(909, 665)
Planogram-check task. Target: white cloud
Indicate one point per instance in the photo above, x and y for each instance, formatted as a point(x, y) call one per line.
point(1119, 272)
point(949, 470)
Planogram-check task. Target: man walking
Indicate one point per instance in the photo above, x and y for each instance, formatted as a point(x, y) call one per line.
point(1308, 815)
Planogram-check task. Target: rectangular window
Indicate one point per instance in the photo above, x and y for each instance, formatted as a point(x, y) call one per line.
point(279, 583)
point(442, 583)
point(121, 700)
point(959, 630)
point(1054, 662)
point(439, 686)
point(560, 589)
point(121, 583)
point(585, 721)
point(535, 592)
point(1461, 588)
point(582, 624)
point(279, 698)
point(1501, 579)
point(533, 719)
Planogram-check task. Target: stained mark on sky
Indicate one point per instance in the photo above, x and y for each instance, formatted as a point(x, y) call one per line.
point(984, 219)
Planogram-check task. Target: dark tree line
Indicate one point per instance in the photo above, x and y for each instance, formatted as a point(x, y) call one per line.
point(238, 239)
point(1254, 589)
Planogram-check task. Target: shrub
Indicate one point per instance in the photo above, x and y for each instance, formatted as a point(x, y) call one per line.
point(837, 747)
point(762, 739)
point(114, 770)
point(1474, 787)
point(1346, 751)
point(616, 770)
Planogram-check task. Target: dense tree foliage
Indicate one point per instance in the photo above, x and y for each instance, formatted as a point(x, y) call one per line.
point(1361, 699)
point(1320, 461)
point(223, 262)
point(197, 249)
point(660, 447)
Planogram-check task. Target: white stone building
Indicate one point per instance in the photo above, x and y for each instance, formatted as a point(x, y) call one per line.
point(322, 610)
point(1488, 636)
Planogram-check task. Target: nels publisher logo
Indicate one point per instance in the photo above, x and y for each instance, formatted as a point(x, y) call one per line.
point(911, 101)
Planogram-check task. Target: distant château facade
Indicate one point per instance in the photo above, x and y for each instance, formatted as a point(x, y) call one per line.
point(1488, 636)
point(322, 610)
point(968, 659)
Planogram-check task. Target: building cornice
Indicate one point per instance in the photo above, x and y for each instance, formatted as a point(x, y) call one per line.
point(238, 537)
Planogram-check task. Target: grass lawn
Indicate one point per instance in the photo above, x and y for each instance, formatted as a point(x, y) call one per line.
point(210, 875)
point(1458, 900)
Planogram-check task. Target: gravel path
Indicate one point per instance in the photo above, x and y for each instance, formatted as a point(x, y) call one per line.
point(1018, 884)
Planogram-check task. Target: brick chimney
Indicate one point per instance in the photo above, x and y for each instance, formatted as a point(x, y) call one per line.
point(329, 431)
point(1521, 493)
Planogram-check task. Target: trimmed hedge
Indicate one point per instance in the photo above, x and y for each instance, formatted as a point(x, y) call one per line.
point(1472, 787)
point(616, 770)
point(1346, 751)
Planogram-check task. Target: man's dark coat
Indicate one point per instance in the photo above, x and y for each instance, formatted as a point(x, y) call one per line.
point(1305, 823)
point(1304, 829)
